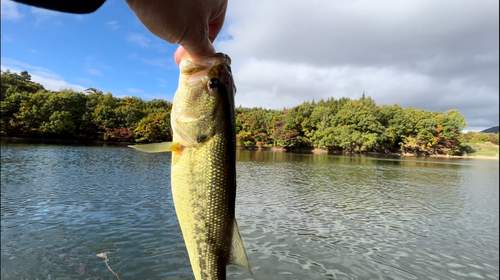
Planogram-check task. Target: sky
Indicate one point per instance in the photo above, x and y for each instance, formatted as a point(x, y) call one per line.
point(432, 55)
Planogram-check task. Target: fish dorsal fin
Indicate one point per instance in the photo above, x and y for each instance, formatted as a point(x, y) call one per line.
point(237, 255)
point(158, 147)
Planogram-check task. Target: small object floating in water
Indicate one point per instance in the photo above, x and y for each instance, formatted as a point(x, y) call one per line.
point(105, 257)
point(102, 256)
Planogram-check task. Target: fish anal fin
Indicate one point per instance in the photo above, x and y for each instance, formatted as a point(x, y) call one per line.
point(158, 147)
point(237, 255)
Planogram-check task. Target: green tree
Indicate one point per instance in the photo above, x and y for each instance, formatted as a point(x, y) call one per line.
point(155, 127)
point(394, 120)
point(17, 83)
point(358, 125)
point(127, 116)
point(32, 113)
point(9, 109)
point(60, 122)
point(352, 125)
point(494, 138)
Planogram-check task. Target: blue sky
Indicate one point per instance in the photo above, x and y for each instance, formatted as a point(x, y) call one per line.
point(426, 54)
point(109, 50)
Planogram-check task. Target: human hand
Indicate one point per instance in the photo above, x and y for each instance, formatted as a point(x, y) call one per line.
point(193, 24)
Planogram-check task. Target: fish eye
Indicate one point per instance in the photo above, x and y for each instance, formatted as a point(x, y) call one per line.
point(213, 84)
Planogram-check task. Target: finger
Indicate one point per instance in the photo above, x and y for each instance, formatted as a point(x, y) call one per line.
point(178, 54)
point(215, 26)
point(199, 48)
point(198, 40)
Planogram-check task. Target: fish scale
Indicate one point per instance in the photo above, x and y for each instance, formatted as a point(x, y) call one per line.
point(203, 225)
point(203, 172)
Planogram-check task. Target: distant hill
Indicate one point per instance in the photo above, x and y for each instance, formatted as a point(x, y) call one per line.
point(493, 129)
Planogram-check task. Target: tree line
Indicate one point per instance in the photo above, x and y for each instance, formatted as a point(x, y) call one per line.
point(29, 110)
point(353, 126)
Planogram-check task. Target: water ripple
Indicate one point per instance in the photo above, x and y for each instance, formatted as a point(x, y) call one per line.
point(340, 219)
point(300, 216)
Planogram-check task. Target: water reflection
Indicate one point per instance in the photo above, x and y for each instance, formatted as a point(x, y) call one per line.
point(369, 218)
point(302, 216)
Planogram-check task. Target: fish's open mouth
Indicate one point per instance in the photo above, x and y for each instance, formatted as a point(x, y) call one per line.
point(190, 66)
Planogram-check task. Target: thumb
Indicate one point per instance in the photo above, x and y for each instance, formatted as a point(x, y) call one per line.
point(198, 48)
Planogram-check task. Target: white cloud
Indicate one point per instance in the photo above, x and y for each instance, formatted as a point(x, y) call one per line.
point(135, 90)
point(93, 64)
point(43, 76)
point(43, 14)
point(167, 62)
point(7, 38)
point(162, 82)
point(154, 43)
point(138, 39)
point(85, 81)
point(280, 84)
point(113, 25)
point(424, 54)
point(120, 95)
point(163, 96)
point(9, 11)
point(93, 71)
point(474, 128)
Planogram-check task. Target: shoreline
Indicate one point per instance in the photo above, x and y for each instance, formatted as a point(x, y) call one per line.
point(49, 141)
point(272, 149)
point(391, 154)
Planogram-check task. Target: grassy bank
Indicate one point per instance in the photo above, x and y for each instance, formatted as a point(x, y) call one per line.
point(487, 149)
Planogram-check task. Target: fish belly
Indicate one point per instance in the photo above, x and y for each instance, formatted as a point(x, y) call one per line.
point(203, 190)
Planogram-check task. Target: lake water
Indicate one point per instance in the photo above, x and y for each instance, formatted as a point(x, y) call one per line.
point(300, 216)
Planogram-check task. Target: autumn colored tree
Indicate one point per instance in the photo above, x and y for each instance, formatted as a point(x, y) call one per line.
point(27, 109)
point(155, 127)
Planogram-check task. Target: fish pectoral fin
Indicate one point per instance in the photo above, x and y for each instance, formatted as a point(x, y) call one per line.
point(158, 147)
point(237, 255)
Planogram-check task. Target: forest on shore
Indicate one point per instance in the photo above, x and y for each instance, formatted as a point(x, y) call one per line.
point(29, 110)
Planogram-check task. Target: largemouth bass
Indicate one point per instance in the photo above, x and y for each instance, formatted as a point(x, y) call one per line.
point(204, 165)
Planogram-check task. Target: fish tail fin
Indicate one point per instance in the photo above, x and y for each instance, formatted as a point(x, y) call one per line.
point(238, 255)
point(158, 147)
